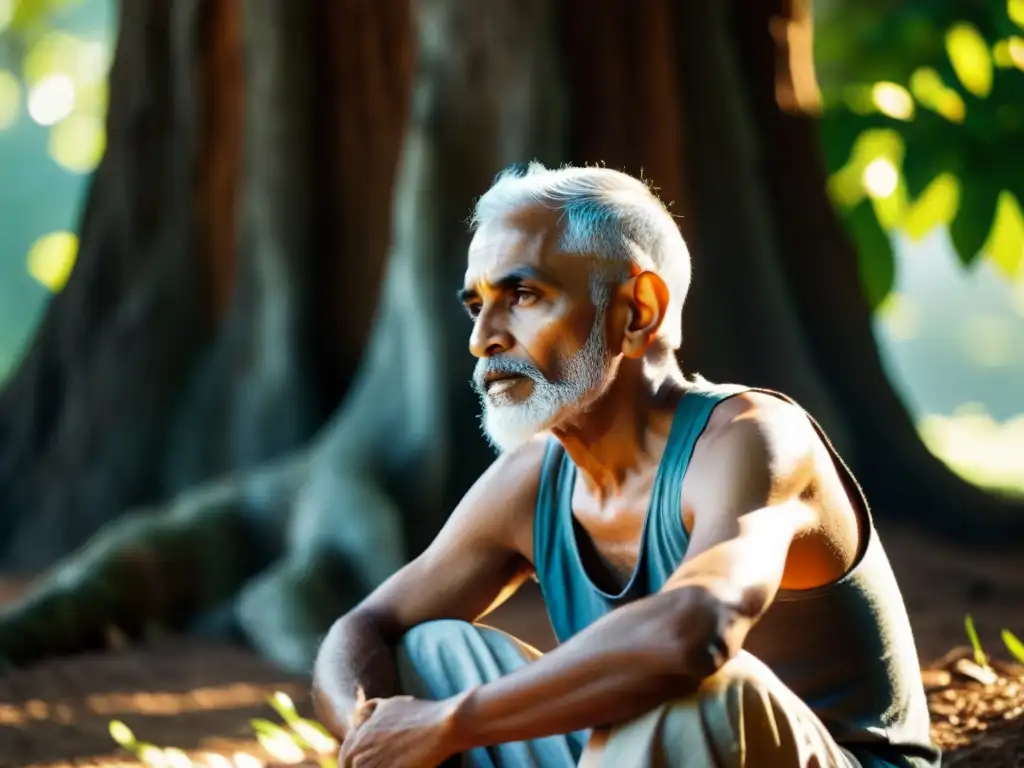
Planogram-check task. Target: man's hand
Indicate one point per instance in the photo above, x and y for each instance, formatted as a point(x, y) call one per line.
point(400, 732)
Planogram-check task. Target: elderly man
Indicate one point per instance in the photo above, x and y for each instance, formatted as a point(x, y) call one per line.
point(708, 562)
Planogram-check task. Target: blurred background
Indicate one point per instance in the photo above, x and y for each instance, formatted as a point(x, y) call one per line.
point(230, 230)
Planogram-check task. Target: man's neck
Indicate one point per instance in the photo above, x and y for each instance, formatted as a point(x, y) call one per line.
point(625, 430)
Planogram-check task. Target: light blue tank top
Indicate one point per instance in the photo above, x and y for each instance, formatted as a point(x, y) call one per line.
point(846, 648)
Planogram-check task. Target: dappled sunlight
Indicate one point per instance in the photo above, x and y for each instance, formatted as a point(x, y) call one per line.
point(880, 178)
point(937, 219)
point(1005, 246)
point(51, 99)
point(893, 100)
point(54, 59)
point(978, 447)
point(936, 183)
point(297, 741)
point(77, 143)
point(1009, 53)
point(931, 92)
point(969, 55)
point(51, 259)
point(66, 76)
point(10, 98)
point(145, 703)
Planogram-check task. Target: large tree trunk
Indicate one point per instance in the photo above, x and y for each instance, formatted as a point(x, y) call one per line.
point(230, 262)
point(326, 102)
point(84, 420)
point(391, 464)
point(378, 481)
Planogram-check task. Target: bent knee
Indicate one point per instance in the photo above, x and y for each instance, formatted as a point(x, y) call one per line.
point(747, 715)
point(439, 630)
point(447, 656)
point(425, 641)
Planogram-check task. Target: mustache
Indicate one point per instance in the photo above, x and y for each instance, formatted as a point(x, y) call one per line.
point(488, 365)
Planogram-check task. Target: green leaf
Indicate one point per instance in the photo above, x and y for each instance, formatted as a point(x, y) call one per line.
point(1015, 10)
point(839, 131)
point(969, 54)
point(284, 706)
point(930, 91)
point(970, 228)
point(1013, 645)
point(122, 734)
point(972, 634)
point(920, 167)
point(936, 206)
point(876, 262)
point(1005, 245)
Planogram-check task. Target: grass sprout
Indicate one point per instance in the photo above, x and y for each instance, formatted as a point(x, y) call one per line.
point(1013, 645)
point(972, 634)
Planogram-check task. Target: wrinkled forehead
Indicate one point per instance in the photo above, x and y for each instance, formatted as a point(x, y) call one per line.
point(525, 242)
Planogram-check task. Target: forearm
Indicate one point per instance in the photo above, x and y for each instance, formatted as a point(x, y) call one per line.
point(355, 656)
point(622, 666)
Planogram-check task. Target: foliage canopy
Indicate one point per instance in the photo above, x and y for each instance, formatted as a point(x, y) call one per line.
point(923, 127)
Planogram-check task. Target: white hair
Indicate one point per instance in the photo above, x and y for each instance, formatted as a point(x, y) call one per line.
point(605, 214)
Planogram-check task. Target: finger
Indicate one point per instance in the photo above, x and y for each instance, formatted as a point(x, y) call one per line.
point(353, 719)
point(346, 755)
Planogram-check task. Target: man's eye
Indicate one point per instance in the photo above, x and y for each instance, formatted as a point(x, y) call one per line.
point(473, 310)
point(524, 297)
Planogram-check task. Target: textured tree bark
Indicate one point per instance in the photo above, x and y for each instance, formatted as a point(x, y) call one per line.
point(390, 465)
point(83, 421)
point(326, 97)
point(230, 264)
point(378, 481)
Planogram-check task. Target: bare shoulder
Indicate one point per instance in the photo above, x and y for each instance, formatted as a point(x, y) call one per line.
point(503, 499)
point(760, 451)
point(757, 430)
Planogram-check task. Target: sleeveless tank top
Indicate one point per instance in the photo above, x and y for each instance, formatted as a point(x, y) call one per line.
point(846, 648)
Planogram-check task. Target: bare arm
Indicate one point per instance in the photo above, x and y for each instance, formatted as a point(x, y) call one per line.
point(657, 648)
point(475, 562)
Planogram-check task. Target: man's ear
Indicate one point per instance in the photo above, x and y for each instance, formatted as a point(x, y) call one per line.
point(645, 298)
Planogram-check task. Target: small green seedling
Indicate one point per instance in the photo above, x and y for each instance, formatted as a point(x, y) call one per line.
point(972, 634)
point(148, 754)
point(1013, 645)
point(311, 735)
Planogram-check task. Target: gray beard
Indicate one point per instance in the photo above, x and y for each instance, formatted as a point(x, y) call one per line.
point(580, 381)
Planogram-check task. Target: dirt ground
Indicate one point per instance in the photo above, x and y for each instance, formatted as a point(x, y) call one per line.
point(201, 698)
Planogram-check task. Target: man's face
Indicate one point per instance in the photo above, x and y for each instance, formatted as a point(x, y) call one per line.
point(537, 333)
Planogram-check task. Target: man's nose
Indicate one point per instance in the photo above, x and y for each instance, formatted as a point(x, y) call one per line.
point(490, 336)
